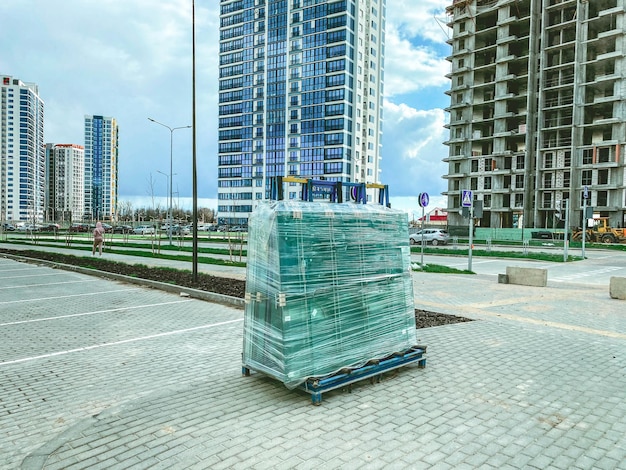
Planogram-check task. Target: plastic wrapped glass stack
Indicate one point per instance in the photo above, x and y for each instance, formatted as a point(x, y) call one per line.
point(328, 287)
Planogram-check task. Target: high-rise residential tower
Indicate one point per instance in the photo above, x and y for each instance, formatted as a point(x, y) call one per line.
point(101, 152)
point(22, 153)
point(65, 176)
point(300, 85)
point(537, 114)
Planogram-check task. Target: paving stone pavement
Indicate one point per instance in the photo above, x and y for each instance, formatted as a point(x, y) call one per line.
point(101, 374)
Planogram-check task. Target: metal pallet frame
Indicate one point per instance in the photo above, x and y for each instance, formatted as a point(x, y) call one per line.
point(373, 371)
point(357, 190)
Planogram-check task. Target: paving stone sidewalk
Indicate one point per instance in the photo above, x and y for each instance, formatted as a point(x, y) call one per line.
point(537, 381)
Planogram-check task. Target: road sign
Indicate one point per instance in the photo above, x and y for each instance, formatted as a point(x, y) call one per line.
point(586, 192)
point(467, 198)
point(423, 199)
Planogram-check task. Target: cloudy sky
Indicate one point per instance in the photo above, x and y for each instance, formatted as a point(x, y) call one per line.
point(131, 59)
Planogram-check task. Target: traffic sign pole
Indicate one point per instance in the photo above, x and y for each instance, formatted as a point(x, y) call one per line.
point(467, 200)
point(424, 199)
point(422, 257)
point(471, 238)
point(585, 196)
point(565, 241)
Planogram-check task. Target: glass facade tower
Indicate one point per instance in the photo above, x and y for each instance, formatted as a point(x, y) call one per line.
point(301, 84)
point(101, 145)
point(22, 152)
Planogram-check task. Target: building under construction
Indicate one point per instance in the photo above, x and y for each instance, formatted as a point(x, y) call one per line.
point(537, 111)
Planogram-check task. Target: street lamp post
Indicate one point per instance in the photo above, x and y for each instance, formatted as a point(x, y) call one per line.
point(171, 129)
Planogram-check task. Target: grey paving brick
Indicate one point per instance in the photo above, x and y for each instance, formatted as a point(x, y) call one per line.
point(497, 393)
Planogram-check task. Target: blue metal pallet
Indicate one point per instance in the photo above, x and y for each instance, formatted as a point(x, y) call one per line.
point(373, 371)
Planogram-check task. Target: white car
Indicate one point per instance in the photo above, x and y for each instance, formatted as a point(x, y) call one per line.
point(143, 229)
point(434, 236)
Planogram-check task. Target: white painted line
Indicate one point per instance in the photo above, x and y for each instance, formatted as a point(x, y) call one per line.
point(30, 275)
point(49, 284)
point(73, 315)
point(66, 296)
point(116, 343)
point(38, 268)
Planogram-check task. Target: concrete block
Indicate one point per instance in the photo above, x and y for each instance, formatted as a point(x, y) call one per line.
point(617, 288)
point(527, 276)
point(503, 279)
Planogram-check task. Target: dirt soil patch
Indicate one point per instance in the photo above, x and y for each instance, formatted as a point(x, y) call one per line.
point(184, 278)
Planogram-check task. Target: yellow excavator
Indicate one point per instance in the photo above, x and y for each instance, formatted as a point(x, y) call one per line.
point(601, 232)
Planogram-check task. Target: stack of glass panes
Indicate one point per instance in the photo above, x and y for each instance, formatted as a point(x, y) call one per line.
point(328, 287)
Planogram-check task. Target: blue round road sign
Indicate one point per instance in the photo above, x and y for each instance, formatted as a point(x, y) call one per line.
point(423, 199)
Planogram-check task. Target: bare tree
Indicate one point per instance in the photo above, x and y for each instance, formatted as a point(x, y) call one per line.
point(156, 206)
point(206, 215)
point(125, 210)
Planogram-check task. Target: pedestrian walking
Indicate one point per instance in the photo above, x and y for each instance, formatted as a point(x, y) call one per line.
point(98, 239)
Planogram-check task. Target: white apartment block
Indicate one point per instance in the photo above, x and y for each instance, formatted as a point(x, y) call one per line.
point(300, 94)
point(65, 173)
point(22, 154)
point(101, 166)
point(537, 113)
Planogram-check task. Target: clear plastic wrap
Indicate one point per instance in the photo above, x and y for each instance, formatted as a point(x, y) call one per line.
point(328, 287)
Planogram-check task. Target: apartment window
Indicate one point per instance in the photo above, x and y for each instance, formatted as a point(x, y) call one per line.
point(547, 180)
point(461, 63)
point(519, 163)
point(603, 176)
point(548, 160)
point(488, 182)
point(587, 156)
point(519, 200)
point(604, 155)
point(474, 184)
point(487, 200)
point(519, 181)
point(489, 166)
point(603, 198)
point(474, 166)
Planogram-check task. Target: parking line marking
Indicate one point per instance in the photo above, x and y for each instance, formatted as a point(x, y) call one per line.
point(73, 315)
point(67, 296)
point(38, 268)
point(30, 275)
point(50, 284)
point(117, 343)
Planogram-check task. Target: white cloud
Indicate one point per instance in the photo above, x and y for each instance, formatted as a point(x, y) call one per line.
point(409, 68)
point(413, 150)
point(426, 21)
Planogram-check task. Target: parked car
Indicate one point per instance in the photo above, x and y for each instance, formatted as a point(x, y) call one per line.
point(143, 229)
point(8, 227)
point(79, 228)
point(28, 228)
point(207, 228)
point(49, 228)
point(181, 230)
point(122, 229)
point(435, 236)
